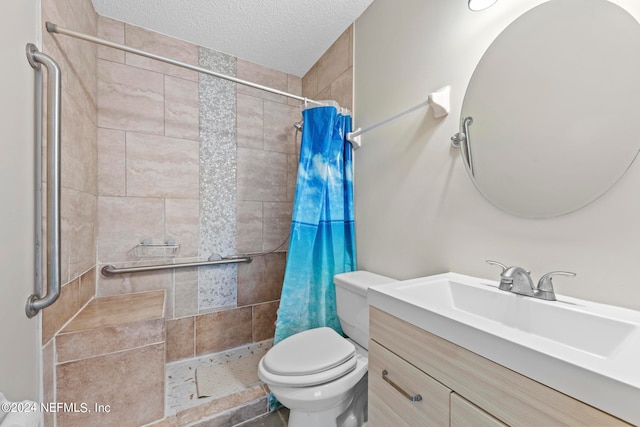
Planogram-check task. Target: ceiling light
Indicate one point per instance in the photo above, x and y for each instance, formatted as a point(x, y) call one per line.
point(477, 5)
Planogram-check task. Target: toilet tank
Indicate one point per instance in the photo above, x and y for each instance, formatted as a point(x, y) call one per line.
point(351, 299)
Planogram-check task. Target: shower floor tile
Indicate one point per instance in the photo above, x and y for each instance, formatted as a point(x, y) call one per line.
point(227, 373)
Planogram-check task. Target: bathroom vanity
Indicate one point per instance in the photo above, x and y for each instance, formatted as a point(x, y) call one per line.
point(421, 378)
point(457, 386)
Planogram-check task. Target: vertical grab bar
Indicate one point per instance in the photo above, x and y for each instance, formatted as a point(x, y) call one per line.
point(35, 302)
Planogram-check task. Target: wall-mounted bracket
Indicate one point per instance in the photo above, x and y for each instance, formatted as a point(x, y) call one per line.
point(355, 139)
point(440, 102)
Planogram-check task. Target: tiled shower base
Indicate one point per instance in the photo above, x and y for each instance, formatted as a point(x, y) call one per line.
point(237, 394)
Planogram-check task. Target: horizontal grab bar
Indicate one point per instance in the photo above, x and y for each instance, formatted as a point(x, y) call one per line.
point(110, 270)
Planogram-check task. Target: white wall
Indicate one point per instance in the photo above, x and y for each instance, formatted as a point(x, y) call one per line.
point(417, 211)
point(19, 349)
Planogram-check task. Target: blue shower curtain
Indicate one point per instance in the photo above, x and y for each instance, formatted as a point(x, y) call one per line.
point(322, 241)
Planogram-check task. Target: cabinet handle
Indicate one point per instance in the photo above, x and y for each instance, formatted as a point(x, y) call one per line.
point(413, 398)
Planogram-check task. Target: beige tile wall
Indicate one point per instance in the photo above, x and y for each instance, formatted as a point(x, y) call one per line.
point(79, 158)
point(111, 353)
point(148, 140)
point(73, 296)
point(332, 76)
point(131, 383)
point(148, 163)
point(130, 172)
point(267, 145)
point(148, 183)
point(79, 165)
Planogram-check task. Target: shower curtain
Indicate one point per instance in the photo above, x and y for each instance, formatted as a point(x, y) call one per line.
point(322, 241)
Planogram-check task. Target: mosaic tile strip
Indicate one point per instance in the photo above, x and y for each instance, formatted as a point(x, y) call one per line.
point(217, 97)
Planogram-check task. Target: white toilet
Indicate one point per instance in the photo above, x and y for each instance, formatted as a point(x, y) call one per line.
point(319, 375)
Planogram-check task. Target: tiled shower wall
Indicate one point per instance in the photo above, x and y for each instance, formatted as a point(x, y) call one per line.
point(238, 201)
point(202, 161)
point(153, 151)
point(77, 61)
point(332, 76)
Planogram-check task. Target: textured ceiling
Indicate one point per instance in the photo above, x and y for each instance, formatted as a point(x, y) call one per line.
point(286, 35)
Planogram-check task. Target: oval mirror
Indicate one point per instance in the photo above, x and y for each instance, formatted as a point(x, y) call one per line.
point(555, 102)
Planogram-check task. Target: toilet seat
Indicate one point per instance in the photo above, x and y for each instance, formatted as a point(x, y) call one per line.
point(312, 357)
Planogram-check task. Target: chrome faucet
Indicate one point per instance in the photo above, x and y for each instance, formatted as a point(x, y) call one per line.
point(518, 280)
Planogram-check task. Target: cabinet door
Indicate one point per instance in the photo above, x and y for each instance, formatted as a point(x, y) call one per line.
point(390, 394)
point(466, 414)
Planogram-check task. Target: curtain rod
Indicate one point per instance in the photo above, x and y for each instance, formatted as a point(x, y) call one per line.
point(53, 28)
point(439, 101)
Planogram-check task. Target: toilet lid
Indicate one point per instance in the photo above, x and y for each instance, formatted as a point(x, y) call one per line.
point(309, 352)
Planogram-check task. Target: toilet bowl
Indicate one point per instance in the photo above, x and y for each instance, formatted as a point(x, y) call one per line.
point(320, 375)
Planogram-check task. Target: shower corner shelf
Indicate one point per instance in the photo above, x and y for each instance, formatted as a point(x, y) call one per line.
point(147, 250)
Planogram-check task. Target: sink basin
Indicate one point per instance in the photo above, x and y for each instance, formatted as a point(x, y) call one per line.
point(587, 350)
point(564, 322)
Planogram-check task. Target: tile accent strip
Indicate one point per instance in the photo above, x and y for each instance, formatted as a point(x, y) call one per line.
point(217, 97)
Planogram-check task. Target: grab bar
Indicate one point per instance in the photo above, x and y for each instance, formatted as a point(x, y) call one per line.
point(37, 302)
point(110, 270)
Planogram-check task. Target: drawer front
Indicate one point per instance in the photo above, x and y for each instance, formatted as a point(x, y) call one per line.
point(466, 414)
point(389, 393)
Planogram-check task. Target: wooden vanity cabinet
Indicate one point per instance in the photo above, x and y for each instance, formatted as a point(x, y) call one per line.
point(458, 388)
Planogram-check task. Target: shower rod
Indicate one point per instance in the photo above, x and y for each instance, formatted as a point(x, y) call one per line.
point(54, 28)
point(438, 101)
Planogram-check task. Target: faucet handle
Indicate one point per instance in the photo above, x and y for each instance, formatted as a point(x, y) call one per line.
point(546, 285)
point(505, 283)
point(499, 264)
